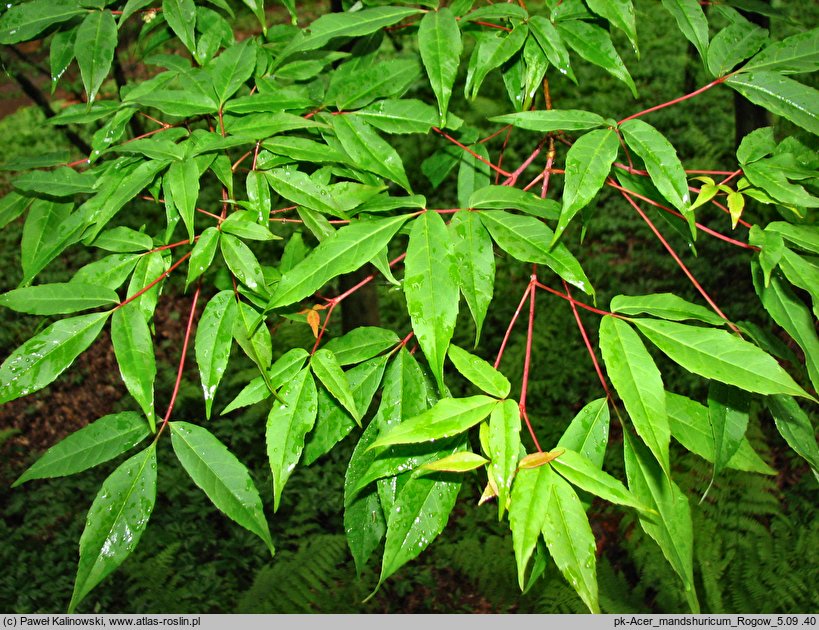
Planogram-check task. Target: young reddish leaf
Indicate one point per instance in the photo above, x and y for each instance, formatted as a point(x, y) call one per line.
point(115, 522)
point(536, 460)
point(222, 477)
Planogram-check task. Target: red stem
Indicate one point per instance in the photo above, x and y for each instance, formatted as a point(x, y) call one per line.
point(527, 360)
point(181, 361)
point(154, 283)
point(681, 264)
point(512, 325)
point(586, 341)
point(676, 100)
point(471, 152)
point(583, 305)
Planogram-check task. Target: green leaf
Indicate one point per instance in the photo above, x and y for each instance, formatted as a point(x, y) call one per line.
point(242, 263)
point(638, 381)
point(284, 369)
point(148, 269)
point(334, 423)
point(505, 197)
point(527, 239)
point(181, 17)
point(691, 21)
point(61, 182)
point(281, 99)
point(41, 241)
point(661, 161)
point(420, 512)
point(431, 289)
point(491, 51)
point(691, 427)
point(793, 55)
point(439, 41)
point(299, 188)
point(12, 206)
point(780, 95)
point(345, 251)
point(448, 417)
point(584, 473)
point(794, 425)
point(329, 372)
point(257, 6)
point(349, 24)
point(94, 49)
point(774, 182)
point(472, 247)
point(594, 45)
point(569, 538)
point(134, 350)
point(58, 298)
point(124, 239)
point(588, 432)
point(183, 182)
point(354, 85)
point(721, 356)
point(222, 477)
point(26, 20)
point(619, 13)
point(479, 372)
point(232, 69)
point(361, 343)
point(110, 271)
point(546, 120)
point(728, 416)
point(787, 310)
point(400, 116)
point(457, 462)
point(504, 449)
point(299, 149)
point(243, 225)
point(115, 522)
point(258, 345)
point(45, 356)
point(588, 163)
point(671, 527)
point(527, 513)
point(552, 44)
point(102, 440)
point(369, 151)
point(214, 338)
point(258, 196)
point(733, 44)
point(182, 103)
point(664, 306)
point(364, 522)
point(287, 425)
point(202, 254)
